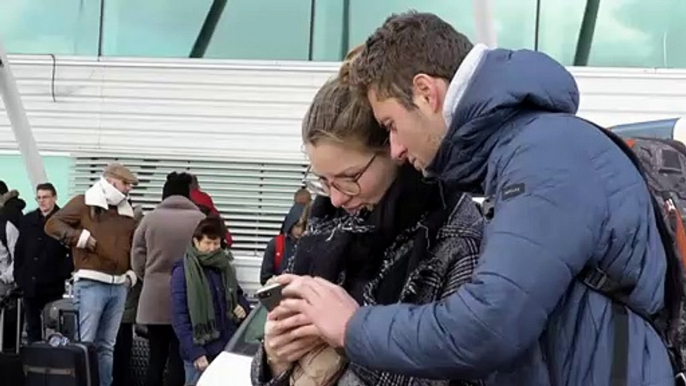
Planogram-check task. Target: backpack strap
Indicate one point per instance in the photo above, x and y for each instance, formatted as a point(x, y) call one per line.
point(280, 249)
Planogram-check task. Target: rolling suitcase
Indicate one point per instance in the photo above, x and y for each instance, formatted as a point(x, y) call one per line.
point(11, 370)
point(61, 362)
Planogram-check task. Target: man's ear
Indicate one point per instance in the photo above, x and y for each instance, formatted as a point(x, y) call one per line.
point(427, 89)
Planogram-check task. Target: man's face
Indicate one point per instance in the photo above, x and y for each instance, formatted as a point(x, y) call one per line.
point(46, 200)
point(415, 134)
point(120, 185)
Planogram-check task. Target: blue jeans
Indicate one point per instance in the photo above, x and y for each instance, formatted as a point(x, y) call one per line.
point(101, 307)
point(192, 374)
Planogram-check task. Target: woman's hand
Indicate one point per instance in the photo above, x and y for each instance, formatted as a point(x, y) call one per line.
point(287, 338)
point(239, 312)
point(201, 364)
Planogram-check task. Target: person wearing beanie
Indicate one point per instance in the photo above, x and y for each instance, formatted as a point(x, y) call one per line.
point(98, 227)
point(158, 243)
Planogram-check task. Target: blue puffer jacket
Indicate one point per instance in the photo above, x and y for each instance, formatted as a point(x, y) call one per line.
point(181, 319)
point(565, 197)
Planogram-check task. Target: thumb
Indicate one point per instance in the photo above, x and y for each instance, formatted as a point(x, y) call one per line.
point(269, 327)
point(286, 278)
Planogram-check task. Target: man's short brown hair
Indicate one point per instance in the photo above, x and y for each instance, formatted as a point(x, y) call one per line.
point(405, 45)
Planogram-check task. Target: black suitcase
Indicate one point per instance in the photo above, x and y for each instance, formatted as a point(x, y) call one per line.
point(11, 371)
point(73, 364)
point(70, 364)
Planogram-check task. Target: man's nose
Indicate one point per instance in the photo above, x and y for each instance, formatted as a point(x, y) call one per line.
point(398, 150)
point(338, 199)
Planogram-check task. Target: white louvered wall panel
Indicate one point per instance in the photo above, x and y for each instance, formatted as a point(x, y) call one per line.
point(243, 108)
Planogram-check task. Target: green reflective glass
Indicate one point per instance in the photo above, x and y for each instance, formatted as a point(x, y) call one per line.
point(246, 29)
point(65, 27)
point(628, 33)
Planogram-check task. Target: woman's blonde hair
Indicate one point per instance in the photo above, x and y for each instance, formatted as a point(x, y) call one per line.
point(338, 115)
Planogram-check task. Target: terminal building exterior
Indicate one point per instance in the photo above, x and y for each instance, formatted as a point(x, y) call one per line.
point(218, 87)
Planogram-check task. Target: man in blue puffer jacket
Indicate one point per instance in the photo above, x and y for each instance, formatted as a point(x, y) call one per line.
point(564, 197)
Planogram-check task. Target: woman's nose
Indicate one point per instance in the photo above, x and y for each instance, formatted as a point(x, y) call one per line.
point(338, 199)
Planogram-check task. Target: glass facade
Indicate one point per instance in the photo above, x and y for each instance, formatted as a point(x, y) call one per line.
point(57, 168)
point(628, 33)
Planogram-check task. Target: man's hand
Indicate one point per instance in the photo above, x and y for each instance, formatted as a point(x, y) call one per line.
point(91, 244)
point(323, 304)
point(201, 363)
point(239, 312)
point(128, 283)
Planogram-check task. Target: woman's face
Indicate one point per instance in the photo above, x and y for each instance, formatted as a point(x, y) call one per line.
point(207, 245)
point(333, 162)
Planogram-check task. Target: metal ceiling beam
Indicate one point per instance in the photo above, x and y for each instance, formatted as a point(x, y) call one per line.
point(583, 45)
point(207, 30)
point(20, 123)
point(483, 20)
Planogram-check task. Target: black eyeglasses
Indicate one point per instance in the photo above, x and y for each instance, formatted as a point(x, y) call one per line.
point(347, 186)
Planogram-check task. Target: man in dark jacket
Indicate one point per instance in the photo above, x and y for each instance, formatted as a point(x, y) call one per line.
point(42, 264)
point(561, 197)
point(281, 248)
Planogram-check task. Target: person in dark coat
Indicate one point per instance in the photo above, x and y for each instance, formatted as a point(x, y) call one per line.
point(207, 302)
point(292, 228)
point(42, 264)
point(158, 243)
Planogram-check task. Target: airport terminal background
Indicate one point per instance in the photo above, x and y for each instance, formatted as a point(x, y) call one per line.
point(181, 40)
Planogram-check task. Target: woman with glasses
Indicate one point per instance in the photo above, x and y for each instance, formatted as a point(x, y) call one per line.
point(376, 228)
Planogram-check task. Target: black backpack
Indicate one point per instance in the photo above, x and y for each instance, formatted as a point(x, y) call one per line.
point(662, 163)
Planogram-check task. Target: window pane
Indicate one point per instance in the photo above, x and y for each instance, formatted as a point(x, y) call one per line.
point(247, 29)
point(67, 27)
point(628, 33)
point(514, 21)
point(263, 29)
point(152, 28)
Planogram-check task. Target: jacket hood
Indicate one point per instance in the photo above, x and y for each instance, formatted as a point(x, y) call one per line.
point(12, 207)
point(292, 218)
point(177, 202)
point(12, 195)
point(483, 96)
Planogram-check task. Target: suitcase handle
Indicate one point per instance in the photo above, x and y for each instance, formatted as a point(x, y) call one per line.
point(2, 325)
point(60, 321)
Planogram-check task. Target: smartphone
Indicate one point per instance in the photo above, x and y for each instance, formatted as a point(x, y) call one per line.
point(270, 295)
